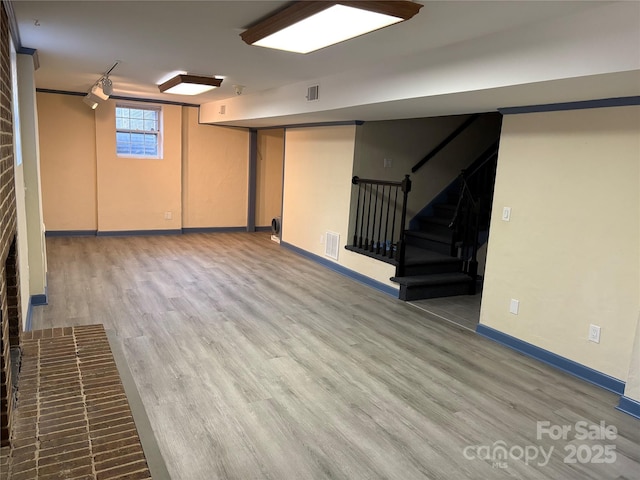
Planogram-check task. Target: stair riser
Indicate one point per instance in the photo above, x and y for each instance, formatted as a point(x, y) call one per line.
point(439, 247)
point(433, 291)
point(443, 212)
point(435, 228)
point(433, 268)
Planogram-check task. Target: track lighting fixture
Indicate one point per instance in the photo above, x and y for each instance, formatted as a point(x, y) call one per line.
point(107, 86)
point(92, 100)
point(98, 91)
point(101, 90)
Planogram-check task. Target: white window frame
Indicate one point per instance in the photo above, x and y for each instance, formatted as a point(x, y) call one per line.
point(158, 133)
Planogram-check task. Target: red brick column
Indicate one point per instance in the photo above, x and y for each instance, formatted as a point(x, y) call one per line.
point(8, 280)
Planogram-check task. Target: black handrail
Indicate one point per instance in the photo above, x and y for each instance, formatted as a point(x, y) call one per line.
point(463, 126)
point(482, 159)
point(370, 236)
point(470, 209)
point(357, 180)
point(489, 154)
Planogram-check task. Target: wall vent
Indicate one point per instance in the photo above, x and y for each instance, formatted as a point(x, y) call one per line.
point(332, 241)
point(312, 93)
point(223, 109)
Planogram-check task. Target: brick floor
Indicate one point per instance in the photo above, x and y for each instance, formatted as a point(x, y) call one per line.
point(72, 419)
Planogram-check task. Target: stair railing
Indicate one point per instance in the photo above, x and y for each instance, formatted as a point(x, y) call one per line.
point(469, 211)
point(461, 128)
point(377, 230)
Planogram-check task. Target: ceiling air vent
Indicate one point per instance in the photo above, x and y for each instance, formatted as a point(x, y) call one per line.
point(332, 240)
point(312, 93)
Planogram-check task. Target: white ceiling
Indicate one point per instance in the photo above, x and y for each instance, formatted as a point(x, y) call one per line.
point(78, 40)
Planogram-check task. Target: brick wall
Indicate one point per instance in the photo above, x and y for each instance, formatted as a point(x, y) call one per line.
point(9, 306)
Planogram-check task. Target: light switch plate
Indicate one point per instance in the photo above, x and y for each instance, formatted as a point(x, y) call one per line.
point(506, 214)
point(514, 306)
point(594, 333)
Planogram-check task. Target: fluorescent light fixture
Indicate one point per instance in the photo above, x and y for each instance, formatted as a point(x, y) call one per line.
point(189, 84)
point(307, 26)
point(92, 100)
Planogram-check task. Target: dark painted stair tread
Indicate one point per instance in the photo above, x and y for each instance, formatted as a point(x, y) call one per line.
point(435, 279)
point(418, 256)
point(429, 236)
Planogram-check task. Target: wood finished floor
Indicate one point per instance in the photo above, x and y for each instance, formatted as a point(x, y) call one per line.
point(255, 363)
point(462, 310)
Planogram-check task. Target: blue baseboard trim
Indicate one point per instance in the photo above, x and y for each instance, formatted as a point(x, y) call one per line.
point(137, 233)
point(561, 363)
point(629, 406)
point(343, 270)
point(70, 233)
point(214, 229)
point(28, 322)
point(263, 229)
point(39, 299)
point(556, 107)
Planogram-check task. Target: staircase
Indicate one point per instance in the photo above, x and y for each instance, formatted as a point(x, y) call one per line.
point(437, 255)
point(430, 268)
point(440, 247)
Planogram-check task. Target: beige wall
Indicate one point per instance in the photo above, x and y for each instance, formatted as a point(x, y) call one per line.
point(216, 163)
point(571, 251)
point(135, 193)
point(68, 162)
point(201, 179)
point(317, 193)
point(270, 164)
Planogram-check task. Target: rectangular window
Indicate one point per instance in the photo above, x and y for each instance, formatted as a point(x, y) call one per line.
point(138, 131)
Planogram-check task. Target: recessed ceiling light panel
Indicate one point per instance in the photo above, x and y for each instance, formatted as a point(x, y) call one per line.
point(311, 25)
point(189, 84)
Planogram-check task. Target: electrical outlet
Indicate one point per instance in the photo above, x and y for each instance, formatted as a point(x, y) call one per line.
point(168, 215)
point(514, 306)
point(321, 239)
point(594, 333)
point(506, 214)
point(387, 163)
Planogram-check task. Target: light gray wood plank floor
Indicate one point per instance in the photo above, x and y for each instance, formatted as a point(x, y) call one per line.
point(255, 363)
point(462, 310)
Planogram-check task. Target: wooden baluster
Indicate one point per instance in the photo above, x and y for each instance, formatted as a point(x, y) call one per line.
point(387, 242)
point(366, 238)
point(373, 225)
point(355, 231)
point(393, 223)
